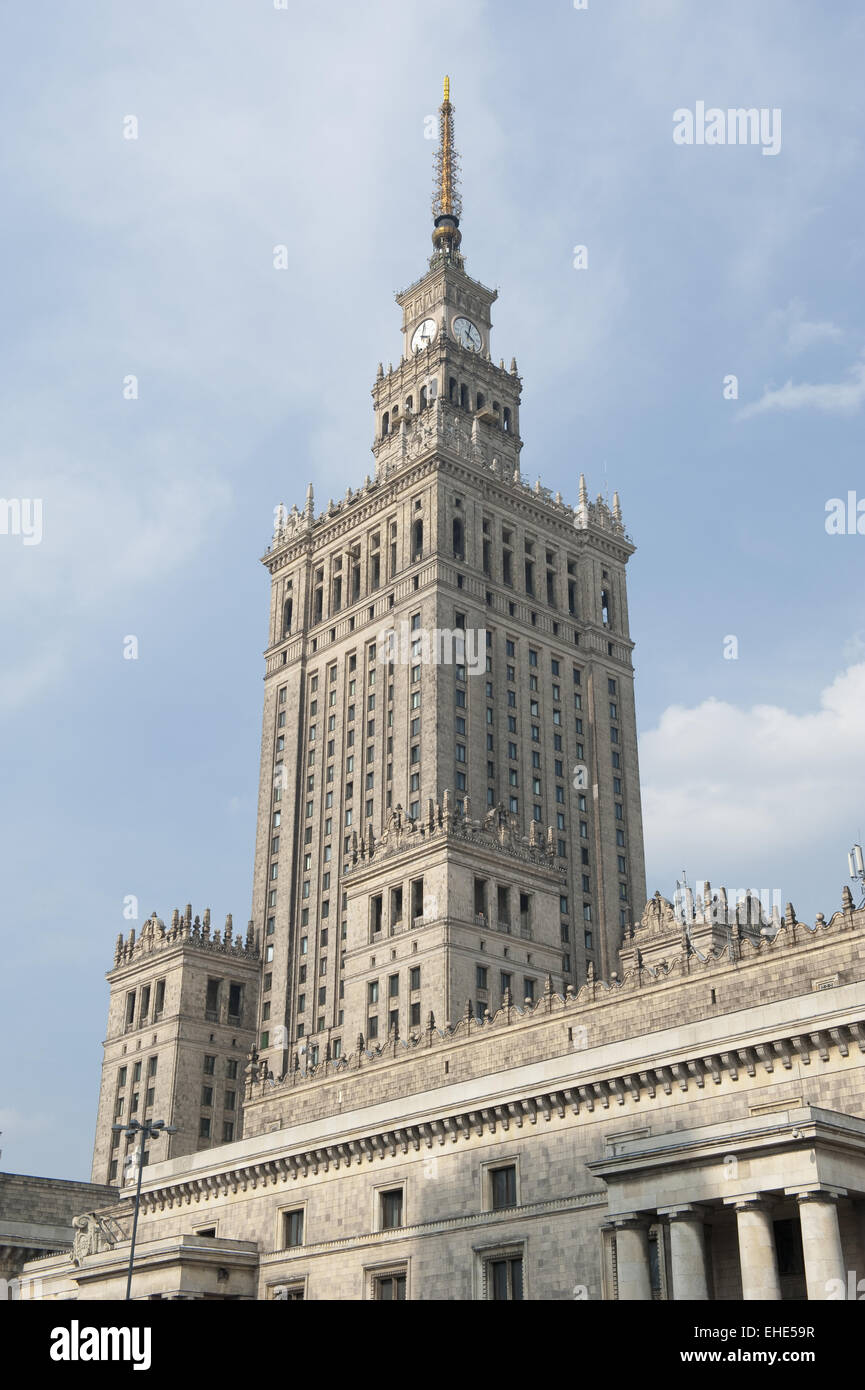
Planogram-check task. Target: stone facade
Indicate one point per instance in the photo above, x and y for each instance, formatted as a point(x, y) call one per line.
point(181, 1021)
point(693, 1129)
point(39, 1215)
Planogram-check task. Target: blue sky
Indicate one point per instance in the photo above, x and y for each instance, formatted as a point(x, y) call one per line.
point(154, 257)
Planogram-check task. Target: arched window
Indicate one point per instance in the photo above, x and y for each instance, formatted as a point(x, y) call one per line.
point(385, 424)
point(287, 613)
point(409, 403)
point(506, 419)
point(458, 539)
point(605, 607)
point(417, 540)
point(452, 390)
point(464, 397)
point(481, 401)
point(423, 399)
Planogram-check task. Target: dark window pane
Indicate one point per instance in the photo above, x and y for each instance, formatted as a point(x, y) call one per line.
point(391, 1209)
point(294, 1228)
point(504, 1192)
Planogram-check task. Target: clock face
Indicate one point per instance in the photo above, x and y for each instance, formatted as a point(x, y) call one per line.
point(423, 335)
point(467, 335)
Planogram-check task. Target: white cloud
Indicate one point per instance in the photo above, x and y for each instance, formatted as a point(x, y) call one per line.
point(800, 333)
point(761, 796)
point(833, 398)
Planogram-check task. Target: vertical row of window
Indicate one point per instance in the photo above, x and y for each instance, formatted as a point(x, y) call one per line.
point(134, 1099)
point(618, 801)
point(390, 1003)
point(212, 1104)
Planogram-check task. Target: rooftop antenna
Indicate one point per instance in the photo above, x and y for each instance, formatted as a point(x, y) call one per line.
point(857, 869)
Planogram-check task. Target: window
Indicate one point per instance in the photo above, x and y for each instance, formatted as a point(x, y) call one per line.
point(503, 1187)
point(211, 1003)
point(503, 1278)
point(209, 1066)
point(292, 1228)
point(481, 974)
point(204, 1128)
point(227, 1131)
point(390, 1209)
point(389, 1287)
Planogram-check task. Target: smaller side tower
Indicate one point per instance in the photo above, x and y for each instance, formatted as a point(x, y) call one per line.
point(181, 1021)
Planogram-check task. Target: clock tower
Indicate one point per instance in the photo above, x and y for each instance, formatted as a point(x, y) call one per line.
point(446, 328)
point(449, 809)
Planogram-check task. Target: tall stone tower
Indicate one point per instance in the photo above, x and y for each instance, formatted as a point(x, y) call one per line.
point(449, 799)
point(181, 1021)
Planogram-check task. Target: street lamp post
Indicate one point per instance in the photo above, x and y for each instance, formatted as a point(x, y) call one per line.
point(151, 1129)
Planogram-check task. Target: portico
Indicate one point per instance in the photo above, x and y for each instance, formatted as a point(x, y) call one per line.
point(767, 1208)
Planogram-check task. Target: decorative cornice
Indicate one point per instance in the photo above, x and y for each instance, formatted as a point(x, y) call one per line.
point(595, 1089)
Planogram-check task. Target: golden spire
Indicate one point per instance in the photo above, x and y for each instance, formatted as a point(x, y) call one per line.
point(447, 204)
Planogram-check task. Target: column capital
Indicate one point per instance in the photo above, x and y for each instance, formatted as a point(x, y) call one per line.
point(631, 1221)
point(753, 1201)
point(683, 1211)
point(823, 1192)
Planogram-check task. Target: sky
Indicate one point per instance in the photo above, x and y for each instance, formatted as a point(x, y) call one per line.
point(163, 386)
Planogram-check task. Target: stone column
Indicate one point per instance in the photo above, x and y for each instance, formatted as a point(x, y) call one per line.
point(821, 1242)
point(757, 1257)
point(633, 1274)
point(687, 1252)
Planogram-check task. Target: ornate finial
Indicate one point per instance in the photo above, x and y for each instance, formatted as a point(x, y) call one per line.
point(617, 507)
point(584, 491)
point(310, 502)
point(447, 204)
